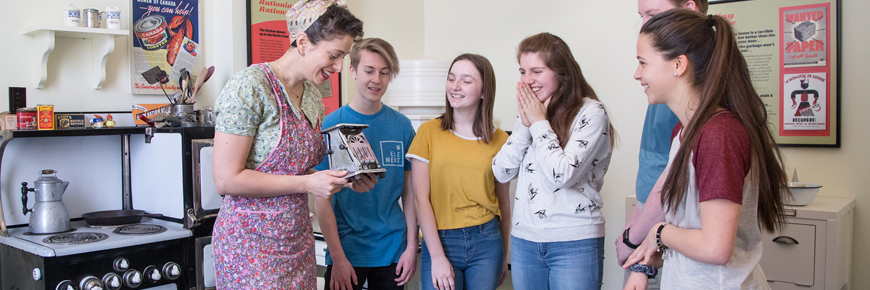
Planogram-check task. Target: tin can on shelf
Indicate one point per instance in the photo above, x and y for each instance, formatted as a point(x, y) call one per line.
point(45, 117)
point(26, 118)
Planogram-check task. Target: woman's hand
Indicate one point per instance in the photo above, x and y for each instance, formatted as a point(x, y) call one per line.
point(342, 276)
point(636, 281)
point(363, 182)
point(522, 112)
point(407, 266)
point(442, 274)
point(645, 252)
point(504, 270)
point(325, 183)
point(530, 105)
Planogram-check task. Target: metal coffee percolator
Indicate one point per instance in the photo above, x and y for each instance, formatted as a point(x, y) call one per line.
point(48, 214)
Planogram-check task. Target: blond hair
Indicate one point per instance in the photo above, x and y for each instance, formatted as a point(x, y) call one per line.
point(378, 46)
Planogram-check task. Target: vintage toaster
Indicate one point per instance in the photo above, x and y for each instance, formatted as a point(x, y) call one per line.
point(348, 149)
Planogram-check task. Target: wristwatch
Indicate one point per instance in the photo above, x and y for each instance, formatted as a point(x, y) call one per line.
point(650, 271)
point(626, 241)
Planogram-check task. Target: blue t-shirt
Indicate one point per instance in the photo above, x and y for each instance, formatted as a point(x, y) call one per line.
point(655, 144)
point(371, 225)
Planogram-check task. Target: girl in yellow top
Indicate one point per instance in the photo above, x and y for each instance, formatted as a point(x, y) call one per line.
point(458, 199)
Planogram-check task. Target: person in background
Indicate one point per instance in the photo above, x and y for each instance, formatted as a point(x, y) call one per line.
point(724, 178)
point(368, 235)
point(655, 143)
point(267, 139)
point(461, 208)
point(560, 149)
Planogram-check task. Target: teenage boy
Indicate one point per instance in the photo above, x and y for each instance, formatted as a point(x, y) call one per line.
point(370, 238)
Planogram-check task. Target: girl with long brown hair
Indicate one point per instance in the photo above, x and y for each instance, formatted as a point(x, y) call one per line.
point(725, 178)
point(559, 151)
point(461, 208)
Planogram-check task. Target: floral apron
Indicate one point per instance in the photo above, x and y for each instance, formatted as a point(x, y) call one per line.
point(267, 242)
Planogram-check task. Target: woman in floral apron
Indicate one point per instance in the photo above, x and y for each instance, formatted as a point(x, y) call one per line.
point(267, 140)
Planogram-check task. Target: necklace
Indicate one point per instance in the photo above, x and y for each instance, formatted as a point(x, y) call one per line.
point(298, 96)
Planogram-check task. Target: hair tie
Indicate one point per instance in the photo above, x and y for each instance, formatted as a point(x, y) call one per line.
point(710, 21)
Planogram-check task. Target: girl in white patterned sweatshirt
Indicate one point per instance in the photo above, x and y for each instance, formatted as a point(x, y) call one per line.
point(560, 149)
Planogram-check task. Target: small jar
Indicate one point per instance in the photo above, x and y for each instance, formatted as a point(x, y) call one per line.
point(26, 118)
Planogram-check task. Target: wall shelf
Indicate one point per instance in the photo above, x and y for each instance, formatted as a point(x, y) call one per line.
point(43, 44)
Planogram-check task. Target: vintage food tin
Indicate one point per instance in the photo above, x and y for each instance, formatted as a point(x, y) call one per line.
point(45, 117)
point(152, 32)
point(26, 118)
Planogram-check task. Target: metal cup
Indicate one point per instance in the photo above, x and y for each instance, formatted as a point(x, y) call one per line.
point(91, 17)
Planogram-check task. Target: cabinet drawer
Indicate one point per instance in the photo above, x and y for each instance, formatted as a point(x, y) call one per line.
point(789, 255)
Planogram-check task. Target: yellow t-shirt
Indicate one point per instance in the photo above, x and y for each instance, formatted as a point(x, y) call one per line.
point(462, 186)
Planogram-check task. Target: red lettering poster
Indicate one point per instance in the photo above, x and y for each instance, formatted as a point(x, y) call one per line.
point(268, 40)
point(805, 35)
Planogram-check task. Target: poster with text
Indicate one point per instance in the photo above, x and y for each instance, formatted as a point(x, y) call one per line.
point(805, 102)
point(785, 43)
point(268, 40)
point(165, 34)
point(805, 36)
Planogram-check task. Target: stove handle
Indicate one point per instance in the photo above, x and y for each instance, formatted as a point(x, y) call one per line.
point(24, 191)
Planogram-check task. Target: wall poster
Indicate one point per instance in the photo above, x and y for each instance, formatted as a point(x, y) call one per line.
point(165, 34)
point(792, 50)
point(268, 40)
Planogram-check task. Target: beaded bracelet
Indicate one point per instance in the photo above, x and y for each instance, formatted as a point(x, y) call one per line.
point(661, 246)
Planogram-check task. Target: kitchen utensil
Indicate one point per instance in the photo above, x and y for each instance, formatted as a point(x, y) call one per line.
point(794, 177)
point(91, 17)
point(205, 75)
point(802, 193)
point(71, 16)
point(199, 81)
point(113, 17)
point(48, 214)
point(116, 217)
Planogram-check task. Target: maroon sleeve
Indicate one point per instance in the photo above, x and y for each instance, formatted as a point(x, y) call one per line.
point(722, 158)
point(677, 128)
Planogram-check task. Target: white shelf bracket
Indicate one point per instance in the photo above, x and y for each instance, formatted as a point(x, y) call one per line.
point(102, 47)
point(43, 45)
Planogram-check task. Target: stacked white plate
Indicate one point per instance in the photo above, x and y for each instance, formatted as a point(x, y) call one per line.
point(418, 90)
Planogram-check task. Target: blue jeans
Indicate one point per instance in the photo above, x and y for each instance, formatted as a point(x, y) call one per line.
point(557, 265)
point(476, 254)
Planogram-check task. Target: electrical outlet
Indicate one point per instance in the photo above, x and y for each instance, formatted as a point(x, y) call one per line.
point(17, 98)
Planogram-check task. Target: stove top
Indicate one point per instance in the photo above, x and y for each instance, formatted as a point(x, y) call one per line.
point(40, 246)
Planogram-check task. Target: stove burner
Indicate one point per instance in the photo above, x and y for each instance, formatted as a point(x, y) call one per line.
point(139, 229)
point(75, 238)
point(28, 233)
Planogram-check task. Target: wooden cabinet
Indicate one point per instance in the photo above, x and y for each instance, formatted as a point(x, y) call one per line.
point(812, 252)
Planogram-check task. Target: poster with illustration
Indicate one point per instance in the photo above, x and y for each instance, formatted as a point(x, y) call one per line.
point(805, 103)
point(805, 35)
point(268, 39)
point(165, 34)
